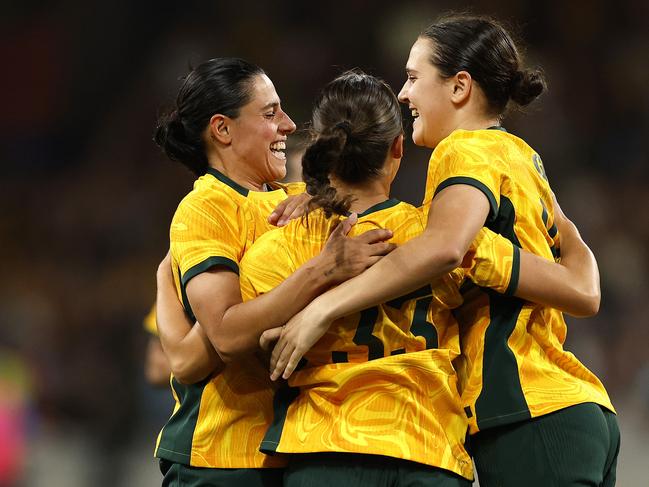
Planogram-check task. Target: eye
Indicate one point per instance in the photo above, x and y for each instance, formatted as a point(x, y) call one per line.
point(270, 115)
point(411, 77)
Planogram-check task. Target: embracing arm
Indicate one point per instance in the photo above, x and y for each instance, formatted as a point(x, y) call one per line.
point(572, 285)
point(234, 327)
point(456, 215)
point(189, 352)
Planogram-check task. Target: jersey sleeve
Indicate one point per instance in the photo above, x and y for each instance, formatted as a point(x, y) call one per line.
point(493, 261)
point(471, 159)
point(206, 232)
point(265, 265)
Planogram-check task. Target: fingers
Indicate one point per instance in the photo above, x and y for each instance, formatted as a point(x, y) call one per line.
point(268, 337)
point(382, 248)
point(278, 349)
point(293, 362)
point(293, 209)
point(274, 217)
point(279, 365)
point(374, 236)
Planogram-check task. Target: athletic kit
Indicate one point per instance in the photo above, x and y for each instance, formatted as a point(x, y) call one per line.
point(220, 421)
point(379, 382)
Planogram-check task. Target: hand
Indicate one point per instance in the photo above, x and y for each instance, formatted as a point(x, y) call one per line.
point(345, 257)
point(296, 338)
point(289, 209)
point(269, 337)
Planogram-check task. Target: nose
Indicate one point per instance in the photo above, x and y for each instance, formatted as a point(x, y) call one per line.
point(403, 94)
point(287, 126)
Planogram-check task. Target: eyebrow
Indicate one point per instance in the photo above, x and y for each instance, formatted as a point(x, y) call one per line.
point(273, 104)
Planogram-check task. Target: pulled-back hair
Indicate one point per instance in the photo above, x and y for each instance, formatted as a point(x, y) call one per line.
point(221, 85)
point(483, 47)
point(355, 120)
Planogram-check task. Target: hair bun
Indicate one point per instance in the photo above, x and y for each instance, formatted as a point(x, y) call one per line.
point(527, 85)
point(345, 126)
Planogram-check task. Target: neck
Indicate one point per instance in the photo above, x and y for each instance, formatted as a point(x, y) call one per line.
point(236, 172)
point(365, 195)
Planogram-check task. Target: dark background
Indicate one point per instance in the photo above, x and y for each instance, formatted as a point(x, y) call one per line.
point(87, 197)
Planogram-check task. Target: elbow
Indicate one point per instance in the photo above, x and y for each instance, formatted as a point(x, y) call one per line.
point(448, 258)
point(588, 305)
point(186, 373)
point(228, 350)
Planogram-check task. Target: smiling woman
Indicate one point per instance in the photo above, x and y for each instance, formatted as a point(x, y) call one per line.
point(229, 128)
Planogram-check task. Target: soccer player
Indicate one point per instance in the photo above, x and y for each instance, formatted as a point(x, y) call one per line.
point(229, 128)
point(379, 382)
point(537, 416)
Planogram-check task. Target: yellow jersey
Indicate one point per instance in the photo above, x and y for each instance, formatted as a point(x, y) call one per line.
point(513, 365)
point(220, 421)
point(380, 381)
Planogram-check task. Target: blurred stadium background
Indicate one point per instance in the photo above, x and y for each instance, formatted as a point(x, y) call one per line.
point(87, 197)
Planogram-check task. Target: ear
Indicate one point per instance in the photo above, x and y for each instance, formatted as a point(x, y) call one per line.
point(461, 84)
point(220, 129)
point(396, 150)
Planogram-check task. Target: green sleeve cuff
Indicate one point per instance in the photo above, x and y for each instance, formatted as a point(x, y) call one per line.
point(516, 269)
point(493, 204)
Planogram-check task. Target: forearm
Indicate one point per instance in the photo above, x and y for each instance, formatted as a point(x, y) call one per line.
point(190, 354)
point(395, 275)
point(571, 286)
point(243, 323)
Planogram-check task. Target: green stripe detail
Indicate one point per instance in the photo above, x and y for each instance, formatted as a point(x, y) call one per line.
point(198, 269)
point(497, 127)
point(421, 327)
point(284, 396)
point(501, 400)
point(389, 203)
point(226, 180)
point(476, 184)
point(516, 269)
point(177, 435)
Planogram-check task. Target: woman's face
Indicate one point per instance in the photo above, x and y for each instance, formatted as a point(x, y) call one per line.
point(428, 95)
point(259, 132)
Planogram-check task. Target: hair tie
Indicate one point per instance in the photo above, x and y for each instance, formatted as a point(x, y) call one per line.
point(345, 127)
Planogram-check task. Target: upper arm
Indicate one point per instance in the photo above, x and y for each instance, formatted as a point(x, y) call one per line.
point(456, 215)
point(207, 244)
point(212, 292)
point(462, 189)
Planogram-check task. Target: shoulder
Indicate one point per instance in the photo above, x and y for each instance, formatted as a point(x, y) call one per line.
point(473, 143)
point(208, 198)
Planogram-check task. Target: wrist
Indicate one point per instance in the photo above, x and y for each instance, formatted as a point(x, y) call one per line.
point(320, 270)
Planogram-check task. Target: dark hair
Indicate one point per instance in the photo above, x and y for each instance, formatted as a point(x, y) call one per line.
point(483, 47)
point(221, 85)
point(355, 120)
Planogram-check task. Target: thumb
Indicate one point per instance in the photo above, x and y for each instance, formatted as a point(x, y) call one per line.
point(268, 337)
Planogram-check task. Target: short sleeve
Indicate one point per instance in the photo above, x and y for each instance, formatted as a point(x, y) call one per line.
point(493, 261)
point(265, 265)
point(205, 232)
point(470, 158)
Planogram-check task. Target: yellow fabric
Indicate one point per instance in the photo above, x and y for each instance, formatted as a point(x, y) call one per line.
point(540, 377)
point(149, 322)
point(404, 403)
point(214, 225)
